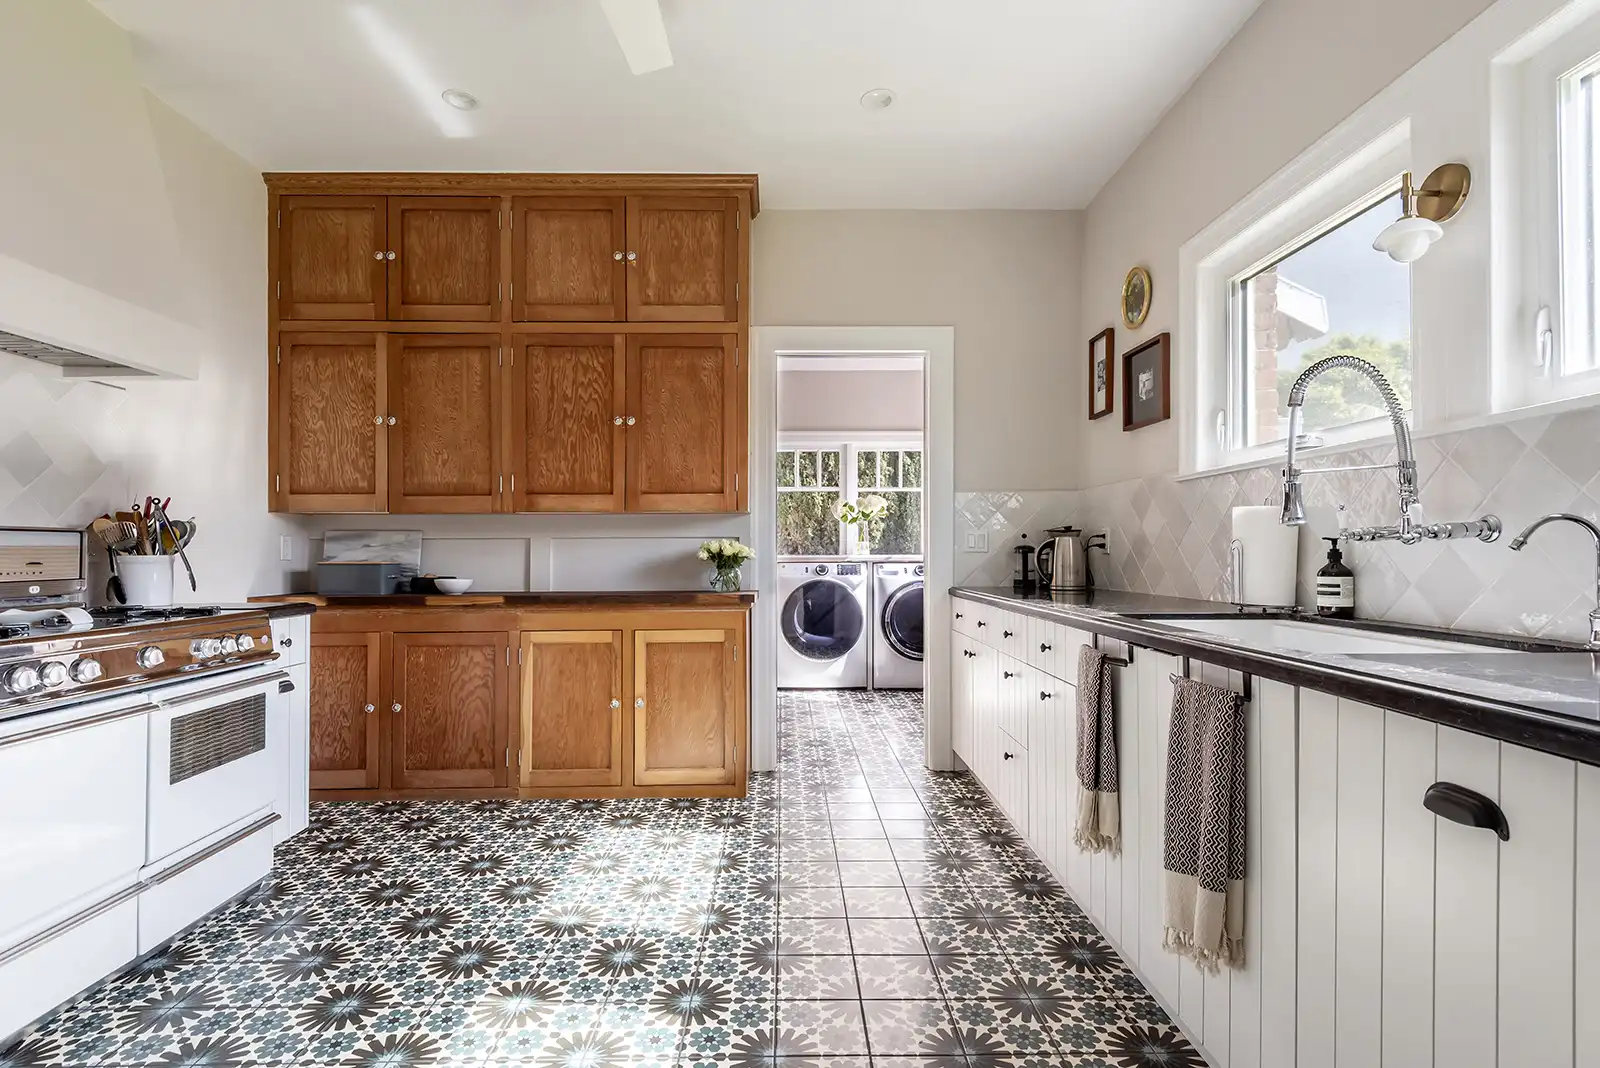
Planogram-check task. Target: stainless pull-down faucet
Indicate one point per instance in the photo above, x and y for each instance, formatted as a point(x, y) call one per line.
point(1407, 531)
point(1594, 532)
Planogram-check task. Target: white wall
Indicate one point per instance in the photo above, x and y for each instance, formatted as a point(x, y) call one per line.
point(850, 400)
point(1006, 280)
point(99, 167)
point(1295, 71)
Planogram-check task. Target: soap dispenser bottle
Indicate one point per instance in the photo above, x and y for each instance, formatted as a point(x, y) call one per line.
point(1336, 585)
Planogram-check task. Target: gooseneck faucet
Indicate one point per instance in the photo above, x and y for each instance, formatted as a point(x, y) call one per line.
point(1406, 531)
point(1594, 532)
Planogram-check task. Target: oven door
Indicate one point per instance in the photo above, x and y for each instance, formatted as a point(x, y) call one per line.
point(212, 757)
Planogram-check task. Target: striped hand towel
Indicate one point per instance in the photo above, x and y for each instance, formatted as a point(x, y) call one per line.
point(1099, 826)
point(1205, 826)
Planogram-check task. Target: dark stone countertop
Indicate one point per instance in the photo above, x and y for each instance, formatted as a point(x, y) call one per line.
point(1541, 694)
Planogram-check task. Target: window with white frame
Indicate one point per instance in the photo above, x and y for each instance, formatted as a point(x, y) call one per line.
point(1578, 123)
point(1329, 293)
point(813, 478)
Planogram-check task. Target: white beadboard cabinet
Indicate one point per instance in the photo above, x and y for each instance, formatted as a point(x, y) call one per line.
point(1377, 935)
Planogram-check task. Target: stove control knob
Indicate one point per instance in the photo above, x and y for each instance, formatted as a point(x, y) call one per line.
point(205, 648)
point(53, 673)
point(149, 657)
point(86, 670)
point(246, 643)
point(23, 679)
point(230, 645)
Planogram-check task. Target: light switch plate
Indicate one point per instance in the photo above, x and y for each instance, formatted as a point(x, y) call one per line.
point(978, 541)
point(285, 547)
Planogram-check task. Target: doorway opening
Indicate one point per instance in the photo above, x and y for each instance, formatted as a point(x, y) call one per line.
point(851, 495)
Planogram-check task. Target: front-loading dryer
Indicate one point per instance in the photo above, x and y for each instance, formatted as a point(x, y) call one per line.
point(897, 626)
point(823, 639)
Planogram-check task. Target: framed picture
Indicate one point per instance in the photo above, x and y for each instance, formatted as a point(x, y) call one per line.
point(1136, 292)
point(1147, 383)
point(1102, 374)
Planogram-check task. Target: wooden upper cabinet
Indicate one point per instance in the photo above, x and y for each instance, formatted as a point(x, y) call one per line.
point(568, 262)
point(332, 439)
point(447, 258)
point(445, 442)
point(567, 422)
point(346, 689)
point(450, 710)
point(572, 708)
point(684, 444)
point(332, 257)
point(684, 264)
point(688, 707)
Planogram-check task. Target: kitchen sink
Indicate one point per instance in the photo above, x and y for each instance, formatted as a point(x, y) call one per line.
point(1324, 637)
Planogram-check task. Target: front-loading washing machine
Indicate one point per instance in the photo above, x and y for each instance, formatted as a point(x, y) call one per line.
point(897, 629)
point(823, 640)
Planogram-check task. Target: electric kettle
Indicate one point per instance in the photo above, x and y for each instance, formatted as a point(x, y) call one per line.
point(1063, 560)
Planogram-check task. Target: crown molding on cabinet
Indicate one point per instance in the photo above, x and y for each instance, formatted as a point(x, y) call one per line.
point(416, 183)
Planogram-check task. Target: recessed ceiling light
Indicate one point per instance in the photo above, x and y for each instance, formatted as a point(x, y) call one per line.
point(877, 99)
point(459, 99)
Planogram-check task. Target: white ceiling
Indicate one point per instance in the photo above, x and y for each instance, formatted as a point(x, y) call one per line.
point(1001, 103)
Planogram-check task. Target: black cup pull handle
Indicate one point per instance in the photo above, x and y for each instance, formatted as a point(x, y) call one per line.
point(1467, 807)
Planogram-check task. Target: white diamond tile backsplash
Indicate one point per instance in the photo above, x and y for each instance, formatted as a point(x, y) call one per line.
point(1172, 537)
point(1004, 515)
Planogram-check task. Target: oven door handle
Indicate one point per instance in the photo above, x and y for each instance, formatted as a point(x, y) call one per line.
point(214, 692)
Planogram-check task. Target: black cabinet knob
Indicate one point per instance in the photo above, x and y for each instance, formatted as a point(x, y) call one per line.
point(1005, 634)
point(958, 615)
point(1009, 756)
point(286, 642)
point(1007, 674)
point(1467, 807)
point(1043, 696)
point(981, 623)
point(1043, 648)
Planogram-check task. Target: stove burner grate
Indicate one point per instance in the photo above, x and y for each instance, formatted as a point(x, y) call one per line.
point(138, 613)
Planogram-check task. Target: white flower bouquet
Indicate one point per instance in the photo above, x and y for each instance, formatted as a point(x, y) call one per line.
point(865, 514)
point(726, 556)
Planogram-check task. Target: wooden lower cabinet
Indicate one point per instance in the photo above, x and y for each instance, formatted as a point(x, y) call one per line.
point(571, 708)
point(688, 707)
point(450, 711)
point(346, 675)
point(583, 702)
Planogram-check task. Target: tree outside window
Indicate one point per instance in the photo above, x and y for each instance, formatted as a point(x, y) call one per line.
point(811, 482)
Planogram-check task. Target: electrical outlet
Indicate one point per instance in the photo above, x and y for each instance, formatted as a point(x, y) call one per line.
point(285, 547)
point(978, 541)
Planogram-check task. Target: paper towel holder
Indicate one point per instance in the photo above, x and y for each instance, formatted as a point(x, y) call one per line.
point(1236, 564)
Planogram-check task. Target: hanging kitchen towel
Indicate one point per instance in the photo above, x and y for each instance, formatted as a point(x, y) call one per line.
point(1099, 816)
point(1205, 826)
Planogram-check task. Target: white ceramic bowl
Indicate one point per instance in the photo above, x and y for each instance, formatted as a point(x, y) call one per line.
point(453, 585)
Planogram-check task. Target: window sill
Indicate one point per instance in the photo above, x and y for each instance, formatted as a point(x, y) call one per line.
point(1332, 448)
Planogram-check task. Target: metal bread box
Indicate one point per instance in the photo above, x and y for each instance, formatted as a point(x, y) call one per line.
point(364, 578)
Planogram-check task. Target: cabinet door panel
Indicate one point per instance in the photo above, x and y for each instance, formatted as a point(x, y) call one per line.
point(688, 707)
point(333, 450)
point(567, 445)
point(572, 708)
point(565, 265)
point(346, 675)
point(450, 727)
point(331, 261)
point(686, 259)
point(446, 391)
point(447, 258)
point(684, 448)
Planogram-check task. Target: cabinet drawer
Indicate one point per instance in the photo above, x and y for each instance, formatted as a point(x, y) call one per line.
point(1011, 635)
point(964, 618)
point(57, 968)
point(291, 637)
point(191, 889)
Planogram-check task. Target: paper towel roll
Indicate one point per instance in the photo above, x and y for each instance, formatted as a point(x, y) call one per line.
point(1270, 556)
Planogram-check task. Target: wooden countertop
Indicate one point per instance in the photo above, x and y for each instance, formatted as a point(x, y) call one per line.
point(522, 599)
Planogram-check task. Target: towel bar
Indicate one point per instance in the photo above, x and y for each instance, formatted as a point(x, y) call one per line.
point(1244, 690)
point(1116, 661)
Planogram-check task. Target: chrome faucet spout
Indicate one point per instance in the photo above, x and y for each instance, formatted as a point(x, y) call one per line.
point(1406, 531)
point(1594, 532)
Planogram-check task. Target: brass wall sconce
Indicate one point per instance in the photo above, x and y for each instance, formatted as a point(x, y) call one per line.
point(1441, 195)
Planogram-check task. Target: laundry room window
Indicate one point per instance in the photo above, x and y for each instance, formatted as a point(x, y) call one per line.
point(809, 487)
point(896, 476)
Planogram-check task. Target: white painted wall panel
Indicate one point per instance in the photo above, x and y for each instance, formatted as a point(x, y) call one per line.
point(1586, 920)
point(1538, 795)
point(1408, 892)
point(1318, 878)
point(1466, 912)
point(1160, 966)
point(1276, 807)
point(1358, 894)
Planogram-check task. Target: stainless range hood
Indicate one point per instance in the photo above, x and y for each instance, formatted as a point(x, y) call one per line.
point(72, 363)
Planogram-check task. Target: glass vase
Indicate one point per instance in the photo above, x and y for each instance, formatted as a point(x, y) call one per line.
point(725, 579)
